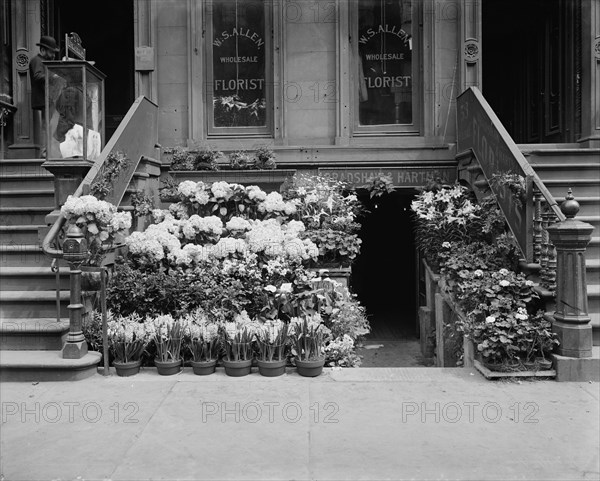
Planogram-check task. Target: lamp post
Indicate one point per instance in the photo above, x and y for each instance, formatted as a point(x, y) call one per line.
point(75, 253)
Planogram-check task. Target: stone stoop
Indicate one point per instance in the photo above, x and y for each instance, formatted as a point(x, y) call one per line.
point(31, 337)
point(577, 169)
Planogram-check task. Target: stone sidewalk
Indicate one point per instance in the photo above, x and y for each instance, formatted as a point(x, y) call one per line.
point(365, 423)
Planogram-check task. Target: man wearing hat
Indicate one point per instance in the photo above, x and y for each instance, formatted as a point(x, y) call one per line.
point(48, 50)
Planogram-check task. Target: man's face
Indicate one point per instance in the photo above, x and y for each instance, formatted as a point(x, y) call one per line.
point(47, 54)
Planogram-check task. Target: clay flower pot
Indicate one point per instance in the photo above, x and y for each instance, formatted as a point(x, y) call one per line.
point(204, 368)
point(237, 368)
point(167, 368)
point(310, 368)
point(271, 368)
point(128, 368)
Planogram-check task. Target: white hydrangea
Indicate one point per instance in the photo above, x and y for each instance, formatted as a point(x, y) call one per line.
point(238, 224)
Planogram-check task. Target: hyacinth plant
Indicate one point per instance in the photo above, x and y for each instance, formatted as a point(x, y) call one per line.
point(168, 334)
point(127, 338)
point(238, 337)
point(308, 338)
point(272, 339)
point(202, 336)
point(100, 223)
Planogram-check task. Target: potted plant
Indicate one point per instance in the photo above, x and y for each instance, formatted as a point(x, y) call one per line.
point(127, 340)
point(204, 345)
point(308, 345)
point(168, 336)
point(272, 339)
point(545, 342)
point(237, 341)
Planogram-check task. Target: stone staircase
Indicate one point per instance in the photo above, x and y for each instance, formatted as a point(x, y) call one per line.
point(567, 166)
point(31, 335)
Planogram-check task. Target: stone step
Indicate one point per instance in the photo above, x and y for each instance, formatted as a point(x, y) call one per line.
point(26, 197)
point(33, 365)
point(576, 170)
point(595, 321)
point(593, 220)
point(21, 254)
point(580, 187)
point(11, 182)
point(593, 248)
point(32, 304)
point(24, 278)
point(27, 167)
point(19, 234)
point(29, 334)
point(24, 215)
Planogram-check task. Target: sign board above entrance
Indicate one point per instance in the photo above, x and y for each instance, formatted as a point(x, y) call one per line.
point(401, 176)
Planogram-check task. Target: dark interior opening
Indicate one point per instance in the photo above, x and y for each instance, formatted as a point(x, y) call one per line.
point(384, 274)
point(529, 67)
point(107, 36)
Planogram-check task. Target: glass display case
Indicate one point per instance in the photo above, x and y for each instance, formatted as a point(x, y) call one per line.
point(74, 110)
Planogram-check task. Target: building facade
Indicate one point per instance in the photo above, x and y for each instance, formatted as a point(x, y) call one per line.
point(348, 87)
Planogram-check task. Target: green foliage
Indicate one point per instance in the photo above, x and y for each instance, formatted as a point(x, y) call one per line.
point(142, 203)
point(379, 185)
point(114, 164)
point(202, 157)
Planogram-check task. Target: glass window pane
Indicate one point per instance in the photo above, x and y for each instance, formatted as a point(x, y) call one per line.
point(385, 62)
point(238, 51)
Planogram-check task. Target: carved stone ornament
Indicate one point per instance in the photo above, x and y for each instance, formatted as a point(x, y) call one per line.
point(22, 61)
point(471, 51)
point(597, 49)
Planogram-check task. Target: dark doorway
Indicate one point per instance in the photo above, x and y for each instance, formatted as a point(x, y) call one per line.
point(530, 67)
point(106, 31)
point(383, 275)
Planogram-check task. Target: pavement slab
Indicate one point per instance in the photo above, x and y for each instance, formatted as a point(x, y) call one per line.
point(347, 424)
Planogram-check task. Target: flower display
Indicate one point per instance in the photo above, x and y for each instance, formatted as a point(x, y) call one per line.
point(99, 220)
point(168, 334)
point(127, 337)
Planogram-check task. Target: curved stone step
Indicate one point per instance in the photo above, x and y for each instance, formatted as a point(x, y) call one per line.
point(31, 366)
point(32, 278)
point(33, 334)
point(32, 304)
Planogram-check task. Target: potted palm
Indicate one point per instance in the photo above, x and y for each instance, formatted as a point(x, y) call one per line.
point(237, 341)
point(272, 339)
point(308, 345)
point(168, 336)
point(127, 341)
point(204, 345)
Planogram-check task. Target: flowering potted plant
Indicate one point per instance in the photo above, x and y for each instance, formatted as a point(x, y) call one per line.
point(127, 340)
point(203, 343)
point(237, 341)
point(308, 345)
point(168, 336)
point(272, 340)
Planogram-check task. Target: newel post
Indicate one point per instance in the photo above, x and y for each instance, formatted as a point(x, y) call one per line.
point(572, 321)
point(75, 253)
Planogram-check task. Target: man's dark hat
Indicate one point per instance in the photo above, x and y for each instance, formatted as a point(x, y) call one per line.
point(48, 42)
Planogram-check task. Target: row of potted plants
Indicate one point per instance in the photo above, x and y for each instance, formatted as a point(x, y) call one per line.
point(237, 344)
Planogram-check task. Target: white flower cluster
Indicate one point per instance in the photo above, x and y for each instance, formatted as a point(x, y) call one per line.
point(160, 327)
point(340, 346)
point(274, 203)
point(195, 225)
point(154, 242)
point(100, 217)
point(446, 206)
point(204, 332)
point(270, 330)
point(238, 224)
point(126, 329)
point(222, 190)
point(194, 191)
point(256, 193)
point(276, 239)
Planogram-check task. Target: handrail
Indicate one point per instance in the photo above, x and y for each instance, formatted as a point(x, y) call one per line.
point(480, 131)
point(136, 137)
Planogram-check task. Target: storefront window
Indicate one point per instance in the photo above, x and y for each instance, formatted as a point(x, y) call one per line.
point(239, 59)
point(385, 63)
